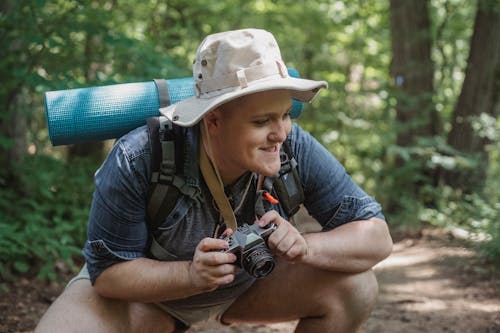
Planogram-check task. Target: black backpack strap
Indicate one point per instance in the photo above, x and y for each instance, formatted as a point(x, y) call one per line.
point(167, 182)
point(162, 194)
point(287, 184)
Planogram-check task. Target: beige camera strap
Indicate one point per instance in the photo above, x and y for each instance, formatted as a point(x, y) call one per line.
point(216, 187)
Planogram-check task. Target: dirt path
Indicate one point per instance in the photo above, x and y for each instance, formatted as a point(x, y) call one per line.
point(432, 285)
point(429, 284)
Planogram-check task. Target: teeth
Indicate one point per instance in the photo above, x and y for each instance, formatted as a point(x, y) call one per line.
point(270, 149)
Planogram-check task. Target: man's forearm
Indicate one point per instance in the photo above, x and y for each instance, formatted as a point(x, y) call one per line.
point(353, 247)
point(146, 280)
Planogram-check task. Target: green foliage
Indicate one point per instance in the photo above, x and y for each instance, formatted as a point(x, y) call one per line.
point(492, 195)
point(63, 44)
point(452, 29)
point(476, 214)
point(43, 217)
point(492, 246)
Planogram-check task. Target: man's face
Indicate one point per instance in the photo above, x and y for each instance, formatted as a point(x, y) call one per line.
point(247, 134)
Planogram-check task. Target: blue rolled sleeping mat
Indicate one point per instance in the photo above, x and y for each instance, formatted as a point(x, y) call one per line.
point(108, 112)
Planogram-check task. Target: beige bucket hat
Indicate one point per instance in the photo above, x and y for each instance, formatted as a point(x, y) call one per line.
point(232, 64)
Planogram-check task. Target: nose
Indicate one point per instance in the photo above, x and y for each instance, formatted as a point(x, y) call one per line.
point(280, 130)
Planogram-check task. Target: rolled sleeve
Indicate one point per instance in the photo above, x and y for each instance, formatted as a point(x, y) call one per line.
point(117, 229)
point(354, 209)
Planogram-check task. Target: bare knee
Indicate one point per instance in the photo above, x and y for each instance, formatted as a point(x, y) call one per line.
point(360, 293)
point(351, 299)
point(81, 309)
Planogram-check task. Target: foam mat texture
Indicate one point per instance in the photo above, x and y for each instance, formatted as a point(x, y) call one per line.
point(107, 112)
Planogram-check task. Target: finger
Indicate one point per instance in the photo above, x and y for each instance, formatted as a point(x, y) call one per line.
point(210, 244)
point(211, 273)
point(210, 278)
point(297, 251)
point(280, 233)
point(289, 240)
point(216, 258)
point(223, 270)
point(223, 280)
point(285, 244)
point(228, 232)
point(270, 216)
point(277, 236)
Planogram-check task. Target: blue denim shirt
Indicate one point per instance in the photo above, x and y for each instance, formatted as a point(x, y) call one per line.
point(117, 229)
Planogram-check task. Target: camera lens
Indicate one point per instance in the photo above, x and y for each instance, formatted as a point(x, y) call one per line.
point(258, 262)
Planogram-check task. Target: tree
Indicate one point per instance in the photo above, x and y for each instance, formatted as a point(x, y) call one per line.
point(16, 65)
point(478, 101)
point(413, 70)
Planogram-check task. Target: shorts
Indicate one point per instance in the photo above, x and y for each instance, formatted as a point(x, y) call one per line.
point(184, 317)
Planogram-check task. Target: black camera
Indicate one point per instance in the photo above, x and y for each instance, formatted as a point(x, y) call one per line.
point(249, 244)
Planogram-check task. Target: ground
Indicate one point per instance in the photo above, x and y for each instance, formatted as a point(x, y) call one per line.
point(430, 283)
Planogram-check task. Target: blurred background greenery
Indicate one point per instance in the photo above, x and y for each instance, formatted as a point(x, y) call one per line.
point(411, 111)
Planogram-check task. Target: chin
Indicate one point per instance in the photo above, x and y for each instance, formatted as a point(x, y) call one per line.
point(268, 171)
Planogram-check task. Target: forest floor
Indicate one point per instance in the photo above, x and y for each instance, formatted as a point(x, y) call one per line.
point(430, 283)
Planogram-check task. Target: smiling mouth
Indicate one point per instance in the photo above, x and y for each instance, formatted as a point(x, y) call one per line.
point(272, 149)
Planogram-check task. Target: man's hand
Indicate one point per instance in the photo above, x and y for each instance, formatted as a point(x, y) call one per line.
point(286, 240)
point(210, 267)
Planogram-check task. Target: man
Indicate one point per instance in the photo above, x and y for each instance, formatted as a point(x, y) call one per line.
point(179, 273)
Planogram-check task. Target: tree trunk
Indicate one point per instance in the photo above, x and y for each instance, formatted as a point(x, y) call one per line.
point(88, 149)
point(13, 128)
point(478, 97)
point(413, 72)
point(13, 119)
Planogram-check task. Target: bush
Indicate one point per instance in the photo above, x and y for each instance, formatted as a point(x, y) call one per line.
point(475, 213)
point(43, 215)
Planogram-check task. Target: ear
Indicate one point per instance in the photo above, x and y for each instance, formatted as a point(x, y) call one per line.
point(212, 120)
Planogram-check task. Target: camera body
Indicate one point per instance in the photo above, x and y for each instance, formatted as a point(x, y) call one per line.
point(249, 244)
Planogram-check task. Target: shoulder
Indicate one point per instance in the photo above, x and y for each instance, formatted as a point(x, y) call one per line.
point(135, 144)
point(128, 160)
point(299, 136)
point(302, 142)
point(295, 133)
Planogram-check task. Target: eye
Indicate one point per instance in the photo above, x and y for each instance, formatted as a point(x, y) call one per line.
point(261, 122)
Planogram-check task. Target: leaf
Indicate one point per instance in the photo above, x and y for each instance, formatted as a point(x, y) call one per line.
point(21, 266)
